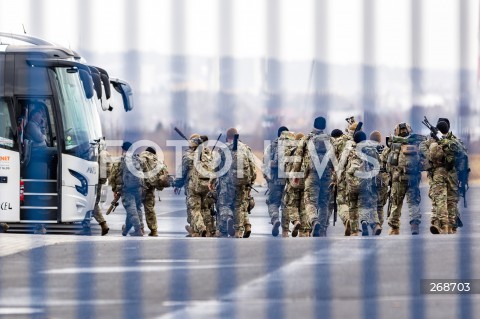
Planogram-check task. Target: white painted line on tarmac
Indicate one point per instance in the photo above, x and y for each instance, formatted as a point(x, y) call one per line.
point(124, 269)
point(169, 261)
point(19, 311)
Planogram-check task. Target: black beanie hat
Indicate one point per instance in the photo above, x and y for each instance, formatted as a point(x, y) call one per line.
point(281, 129)
point(444, 119)
point(336, 133)
point(126, 146)
point(360, 136)
point(443, 127)
point(320, 123)
point(151, 150)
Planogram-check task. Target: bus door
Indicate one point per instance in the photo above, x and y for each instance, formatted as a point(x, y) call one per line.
point(10, 194)
point(39, 159)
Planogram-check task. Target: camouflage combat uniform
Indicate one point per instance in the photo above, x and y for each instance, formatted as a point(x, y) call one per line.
point(292, 202)
point(381, 182)
point(275, 183)
point(405, 174)
point(193, 199)
point(104, 166)
point(233, 189)
point(339, 144)
point(131, 189)
point(312, 151)
point(443, 178)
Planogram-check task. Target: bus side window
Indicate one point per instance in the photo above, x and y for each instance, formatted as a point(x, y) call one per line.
point(6, 132)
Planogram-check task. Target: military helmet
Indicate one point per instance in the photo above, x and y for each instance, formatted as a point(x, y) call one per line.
point(376, 136)
point(352, 127)
point(403, 129)
point(299, 136)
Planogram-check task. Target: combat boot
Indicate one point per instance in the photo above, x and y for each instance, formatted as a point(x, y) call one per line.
point(137, 233)
point(203, 233)
point(415, 229)
point(444, 230)
point(285, 232)
point(238, 234)
point(348, 230)
point(296, 227)
point(394, 231)
point(316, 229)
point(354, 233)
point(248, 231)
point(364, 228)
point(4, 227)
point(143, 231)
point(435, 228)
point(230, 229)
point(275, 229)
point(376, 229)
point(105, 228)
point(189, 230)
point(153, 233)
point(454, 230)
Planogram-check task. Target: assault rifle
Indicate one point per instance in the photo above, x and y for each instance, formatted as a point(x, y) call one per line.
point(463, 184)
point(433, 129)
point(218, 139)
point(114, 203)
point(180, 133)
point(390, 201)
point(335, 204)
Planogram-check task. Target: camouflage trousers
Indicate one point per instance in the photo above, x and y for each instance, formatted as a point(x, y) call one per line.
point(195, 205)
point(381, 187)
point(274, 199)
point(361, 205)
point(316, 197)
point(444, 194)
point(97, 211)
point(401, 189)
point(293, 207)
point(208, 219)
point(240, 207)
point(342, 202)
point(224, 205)
point(149, 207)
point(132, 202)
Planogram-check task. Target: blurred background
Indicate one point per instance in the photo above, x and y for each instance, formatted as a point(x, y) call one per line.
point(208, 65)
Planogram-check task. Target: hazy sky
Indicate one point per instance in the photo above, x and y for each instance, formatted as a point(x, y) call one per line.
point(209, 30)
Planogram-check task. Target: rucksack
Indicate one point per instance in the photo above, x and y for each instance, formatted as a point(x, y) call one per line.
point(115, 178)
point(202, 171)
point(156, 172)
point(320, 148)
point(243, 174)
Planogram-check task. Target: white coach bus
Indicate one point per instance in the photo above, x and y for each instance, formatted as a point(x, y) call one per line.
point(49, 130)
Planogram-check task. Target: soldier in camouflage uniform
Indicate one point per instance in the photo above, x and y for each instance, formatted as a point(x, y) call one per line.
point(104, 165)
point(233, 188)
point(128, 183)
point(318, 178)
point(195, 201)
point(404, 166)
point(150, 162)
point(381, 181)
point(339, 142)
point(276, 183)
point(293, 203)
point(360, 190)
point(445, 159)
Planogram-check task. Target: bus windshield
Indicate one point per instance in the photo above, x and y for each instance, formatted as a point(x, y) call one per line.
point(78, 117)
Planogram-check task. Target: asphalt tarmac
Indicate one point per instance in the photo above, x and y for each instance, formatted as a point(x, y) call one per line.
point(171, 276)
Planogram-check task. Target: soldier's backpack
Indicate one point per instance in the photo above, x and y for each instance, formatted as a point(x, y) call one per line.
point(202, 171)
point(115, 178)
point(406, 156)
point(132, 173)
point(156, 172)
point(320, 149)
point(241, 172)
point(358, 163)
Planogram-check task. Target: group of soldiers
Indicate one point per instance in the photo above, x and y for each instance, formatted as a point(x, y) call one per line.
point(347, 174)
point(310, 178)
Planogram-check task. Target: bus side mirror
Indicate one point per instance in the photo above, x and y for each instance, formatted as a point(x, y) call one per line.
point(125, 91)
point(97, 85)
point(87, 83)
point(106, 85)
